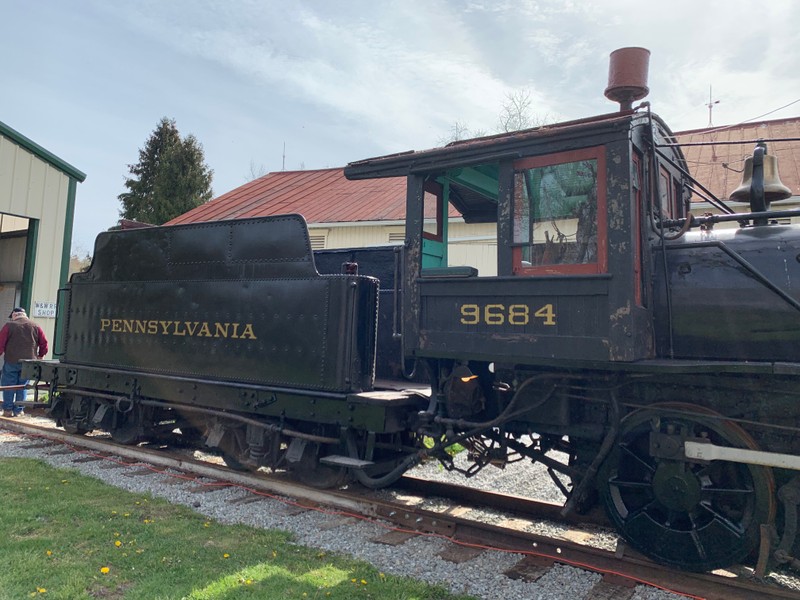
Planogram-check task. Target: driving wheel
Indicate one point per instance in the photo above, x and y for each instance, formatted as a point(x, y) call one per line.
point(691, 515)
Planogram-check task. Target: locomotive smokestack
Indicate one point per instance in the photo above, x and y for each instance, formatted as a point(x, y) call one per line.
point(627, 76)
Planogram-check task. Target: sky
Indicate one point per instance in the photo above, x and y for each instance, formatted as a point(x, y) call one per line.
point(267, 85)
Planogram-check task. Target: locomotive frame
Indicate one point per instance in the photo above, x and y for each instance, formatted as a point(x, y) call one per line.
point(584, 341)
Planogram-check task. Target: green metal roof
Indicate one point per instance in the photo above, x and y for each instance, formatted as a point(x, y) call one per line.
point(49, 157)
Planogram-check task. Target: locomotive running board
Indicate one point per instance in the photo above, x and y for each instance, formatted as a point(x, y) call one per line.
point(708, 452)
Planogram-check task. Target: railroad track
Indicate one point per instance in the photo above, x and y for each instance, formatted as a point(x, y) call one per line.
point(622, 570)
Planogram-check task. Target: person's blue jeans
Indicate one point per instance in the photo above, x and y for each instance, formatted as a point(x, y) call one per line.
point(12, 375)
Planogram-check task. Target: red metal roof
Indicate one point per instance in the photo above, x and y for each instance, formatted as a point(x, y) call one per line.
point(719, 167)
point(321, 196)
point(326, 196)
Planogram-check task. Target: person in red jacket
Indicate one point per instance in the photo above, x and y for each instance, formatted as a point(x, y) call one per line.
point(20, 339)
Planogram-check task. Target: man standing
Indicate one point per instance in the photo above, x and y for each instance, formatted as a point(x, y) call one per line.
point(20, 339)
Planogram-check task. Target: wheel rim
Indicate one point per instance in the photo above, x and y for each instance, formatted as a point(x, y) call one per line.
point(125, 430)
point(697, 517)
point(311, 472)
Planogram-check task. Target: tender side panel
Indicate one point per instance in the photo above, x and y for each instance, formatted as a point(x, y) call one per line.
point(236, 301)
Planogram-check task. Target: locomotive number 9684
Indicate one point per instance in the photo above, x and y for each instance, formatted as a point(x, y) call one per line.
point(502, 314)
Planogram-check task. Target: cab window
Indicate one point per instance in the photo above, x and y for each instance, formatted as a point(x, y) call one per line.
point(559, 213)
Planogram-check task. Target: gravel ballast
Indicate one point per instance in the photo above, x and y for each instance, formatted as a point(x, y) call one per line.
point(416, 558)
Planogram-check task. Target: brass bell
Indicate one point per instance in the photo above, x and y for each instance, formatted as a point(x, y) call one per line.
point(773, 186)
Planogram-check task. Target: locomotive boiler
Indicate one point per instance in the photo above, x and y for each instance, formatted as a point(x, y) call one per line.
point(658, 352)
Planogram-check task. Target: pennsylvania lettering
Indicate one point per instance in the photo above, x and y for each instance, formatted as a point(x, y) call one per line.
point(234, 331)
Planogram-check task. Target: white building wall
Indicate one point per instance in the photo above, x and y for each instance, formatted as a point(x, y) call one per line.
point(474, 244)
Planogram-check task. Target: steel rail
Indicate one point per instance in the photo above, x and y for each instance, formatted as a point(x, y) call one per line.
point(459, 530)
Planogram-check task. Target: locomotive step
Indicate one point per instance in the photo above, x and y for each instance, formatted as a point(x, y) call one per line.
point(337, 460)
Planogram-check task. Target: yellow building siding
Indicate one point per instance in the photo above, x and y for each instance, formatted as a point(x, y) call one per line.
point(470, 244)
point(31, 188)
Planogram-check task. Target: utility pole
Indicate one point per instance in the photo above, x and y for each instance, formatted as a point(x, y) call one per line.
point(710, 106)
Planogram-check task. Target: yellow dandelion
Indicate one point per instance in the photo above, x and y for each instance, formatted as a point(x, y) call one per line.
point(118, 543)
point(64, 481)
point(126, 515)
point(138, 503)
point(104, 570)
point(41, 590)
point(226, 555)
point(113, 512)
point(206, 524)
point(49, 553)
point(363, 582)
point(353, 580)
point(248, 582)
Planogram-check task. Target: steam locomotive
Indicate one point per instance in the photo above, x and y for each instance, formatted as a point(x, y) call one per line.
point(657, 352)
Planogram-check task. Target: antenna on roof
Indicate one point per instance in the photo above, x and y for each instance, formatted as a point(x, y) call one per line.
point(710, 105)
point(283, 162)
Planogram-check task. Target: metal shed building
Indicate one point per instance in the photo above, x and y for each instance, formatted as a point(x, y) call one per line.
point(37, 205)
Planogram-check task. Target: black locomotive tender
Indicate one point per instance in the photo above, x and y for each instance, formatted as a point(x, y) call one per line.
point(658, 353)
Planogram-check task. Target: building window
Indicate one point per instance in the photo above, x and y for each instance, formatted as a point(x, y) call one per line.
point(559, 213)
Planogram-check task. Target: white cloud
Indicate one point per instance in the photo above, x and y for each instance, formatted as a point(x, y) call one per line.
point(341, 80)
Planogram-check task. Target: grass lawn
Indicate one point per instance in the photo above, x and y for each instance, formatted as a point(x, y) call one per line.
point(63, 535)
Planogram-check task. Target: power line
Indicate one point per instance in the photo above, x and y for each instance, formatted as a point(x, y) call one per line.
point(751, 119)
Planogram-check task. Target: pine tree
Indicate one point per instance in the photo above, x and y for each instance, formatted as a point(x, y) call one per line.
point(170, 178)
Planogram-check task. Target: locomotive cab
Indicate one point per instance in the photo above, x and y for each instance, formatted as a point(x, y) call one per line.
point(564, 206)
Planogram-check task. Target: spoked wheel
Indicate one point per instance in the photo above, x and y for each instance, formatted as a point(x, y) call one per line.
point(697, 517)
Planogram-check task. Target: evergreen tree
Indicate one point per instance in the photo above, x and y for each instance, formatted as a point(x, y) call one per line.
point(170, 178)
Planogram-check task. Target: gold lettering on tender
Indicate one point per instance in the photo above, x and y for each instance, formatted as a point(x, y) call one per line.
point(236, 331)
